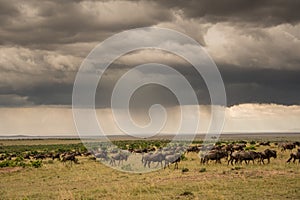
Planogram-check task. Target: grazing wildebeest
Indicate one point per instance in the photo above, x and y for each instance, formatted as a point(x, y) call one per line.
point(295, 156)
point(119, 156)
point(153, 157)
point(267, 154)
point(170, 159)
point(216, 155)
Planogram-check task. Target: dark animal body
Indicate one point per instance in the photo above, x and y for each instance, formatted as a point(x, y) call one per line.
point(295, 156)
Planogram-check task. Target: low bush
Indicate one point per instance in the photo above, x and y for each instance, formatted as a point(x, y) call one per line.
point(202, 170)
point(250, 148)
point(36, 164)
point(185, 170)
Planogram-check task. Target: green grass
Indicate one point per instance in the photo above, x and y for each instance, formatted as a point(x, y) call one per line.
point(93, 180)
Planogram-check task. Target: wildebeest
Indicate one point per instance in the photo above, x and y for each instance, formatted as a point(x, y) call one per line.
point(39, 156)
point(240, 156)
point(234, 156)
point(153, 157)
point(119, 156)
point(238, 147)
point(295, 156)
point(192, 149)
point(216, 155)
point(26, 156)
point(170, 159)
point(101, 155)
point(267, 154)
point(69, 157)
point(248, 156)
point(289, 146)
point(265, 143)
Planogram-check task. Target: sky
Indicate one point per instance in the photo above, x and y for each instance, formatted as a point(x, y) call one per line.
point(255, 45)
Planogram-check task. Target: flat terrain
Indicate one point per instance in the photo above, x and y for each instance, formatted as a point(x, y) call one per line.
point(90, 179)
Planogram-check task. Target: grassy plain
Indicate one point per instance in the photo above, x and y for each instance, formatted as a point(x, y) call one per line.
point(92, 180)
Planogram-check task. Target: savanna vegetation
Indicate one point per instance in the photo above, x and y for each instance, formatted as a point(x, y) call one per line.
point(31, 169)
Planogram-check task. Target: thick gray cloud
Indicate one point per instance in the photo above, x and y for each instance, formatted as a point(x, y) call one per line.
point(254, 43)
point(36, 24)
point(258, 12)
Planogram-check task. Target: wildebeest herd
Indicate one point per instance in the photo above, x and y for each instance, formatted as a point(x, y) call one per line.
point(165, 156)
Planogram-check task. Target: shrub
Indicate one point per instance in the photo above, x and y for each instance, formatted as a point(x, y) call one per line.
point(236, 168)
point(36, 164)
point(187, 193)
point(185, 170)
point(182, 157)
point(250, 148)
point(252, 142)
point(5, 163)
point(202, 170)
point(218, 143)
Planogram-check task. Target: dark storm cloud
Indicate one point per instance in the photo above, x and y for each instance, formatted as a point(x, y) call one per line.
point(32, 23)
point(259, 12)
point(43, 44)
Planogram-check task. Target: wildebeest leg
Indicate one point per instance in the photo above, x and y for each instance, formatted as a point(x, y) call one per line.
point(289, 159)
point(268, 160)
point(230, 160)
point(235, 161)
point(176, 165)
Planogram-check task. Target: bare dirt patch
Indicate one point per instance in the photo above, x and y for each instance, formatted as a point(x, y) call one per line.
point(10, 169)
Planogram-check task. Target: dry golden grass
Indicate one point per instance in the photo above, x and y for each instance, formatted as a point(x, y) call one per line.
point(93, 180)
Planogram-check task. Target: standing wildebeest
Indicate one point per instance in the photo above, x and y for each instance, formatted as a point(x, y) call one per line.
point(39, 156)
point(213, 155)
point(289, 146)
point(265, 143)
point(153, 157)
point(248, 156)
point(295, 156)
point(69, 157)
point(192, 149)
point(170, 159)
point(55, 156)
point(240, 156)
point(267, 154)
point(101, 155)
point(234, 156)
point(119, 156)
point(238, 147)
